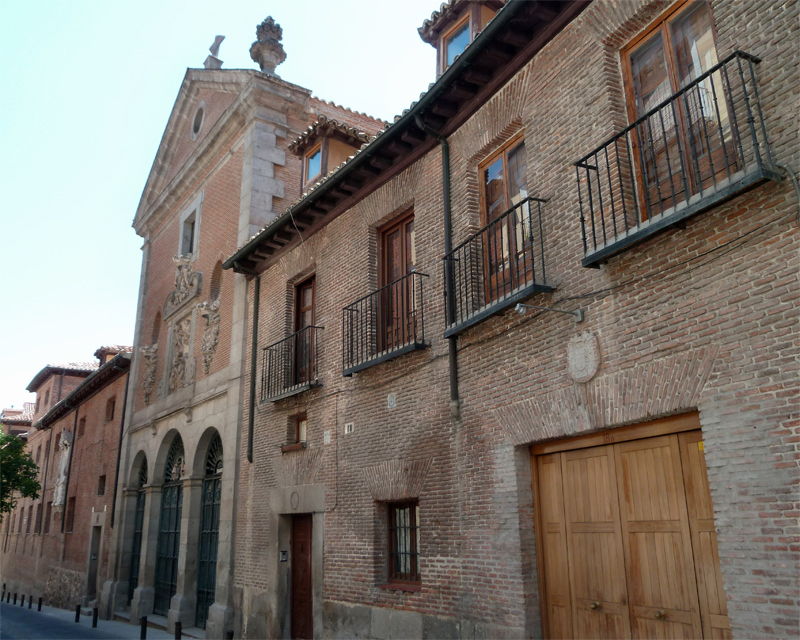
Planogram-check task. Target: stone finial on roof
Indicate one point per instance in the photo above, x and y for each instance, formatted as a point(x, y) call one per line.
point(267, 50)
point(213, 61)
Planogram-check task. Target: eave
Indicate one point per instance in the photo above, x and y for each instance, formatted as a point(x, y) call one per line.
point(518, 31)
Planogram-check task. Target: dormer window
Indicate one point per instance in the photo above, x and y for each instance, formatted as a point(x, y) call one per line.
point(455, 41)
point(313, 164)
point(451, 28)
point(324, 146)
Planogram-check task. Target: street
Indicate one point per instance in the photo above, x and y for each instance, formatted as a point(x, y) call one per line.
point(18, 623)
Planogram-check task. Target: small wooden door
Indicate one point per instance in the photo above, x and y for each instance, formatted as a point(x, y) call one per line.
point(397, 303)
point(302, 619)
point(627, 540)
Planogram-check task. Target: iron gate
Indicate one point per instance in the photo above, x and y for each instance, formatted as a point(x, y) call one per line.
point(209, 532)
point(169, 530)
point(138, 526)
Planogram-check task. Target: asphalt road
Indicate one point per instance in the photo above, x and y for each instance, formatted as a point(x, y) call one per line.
point(17, 623)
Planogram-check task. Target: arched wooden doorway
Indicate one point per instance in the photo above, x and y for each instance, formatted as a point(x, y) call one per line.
point(209, 531)
point(169, 528)
point(138, 526)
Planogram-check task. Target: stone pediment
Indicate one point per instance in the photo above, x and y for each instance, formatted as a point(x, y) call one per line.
point(188, 285)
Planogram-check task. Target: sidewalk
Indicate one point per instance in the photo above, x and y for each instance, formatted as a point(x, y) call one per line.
point(51, 623)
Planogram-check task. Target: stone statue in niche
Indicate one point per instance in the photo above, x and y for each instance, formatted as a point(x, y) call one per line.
point(182, 352)
point(187, 285)
point(65, 446)
point(150, 358)
point(583, 356)
point(210, 311)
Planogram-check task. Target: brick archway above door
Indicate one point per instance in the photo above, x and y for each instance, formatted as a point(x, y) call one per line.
point(642, 392)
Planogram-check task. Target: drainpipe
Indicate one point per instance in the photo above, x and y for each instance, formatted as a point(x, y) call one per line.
point(253, 355)
point(455, 405)
point(119, 444)
point(69, 472)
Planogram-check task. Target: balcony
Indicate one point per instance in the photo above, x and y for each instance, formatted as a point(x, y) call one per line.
point(290, 365)
point(497, 267)
point(384, 324)
point(699, 147)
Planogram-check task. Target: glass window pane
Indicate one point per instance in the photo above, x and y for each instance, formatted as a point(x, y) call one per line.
point(411, 252)
point(651, 84)
point(693, 39)
point(313, 164)
point(493, 181)
point(457, 42)
point(517, 188)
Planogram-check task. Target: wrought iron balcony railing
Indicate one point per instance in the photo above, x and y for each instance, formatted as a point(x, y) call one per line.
point(290, 365)
point(384, 324)
point(496, 267)
point(699, 147)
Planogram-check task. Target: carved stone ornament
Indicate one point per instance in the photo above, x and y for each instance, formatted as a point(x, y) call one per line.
point(178, 377)
point(210, 311)
point(187, 285)
point(150, 359)
point(65, 447)
point(583, 356)
point(267, 50)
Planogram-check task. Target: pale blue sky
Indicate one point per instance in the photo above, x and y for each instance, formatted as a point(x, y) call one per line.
point(86, 88)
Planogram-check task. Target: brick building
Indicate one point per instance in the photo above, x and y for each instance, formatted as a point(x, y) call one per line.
point(221, 172)
point(526, 364)
point(57, 547)
point(17, 422)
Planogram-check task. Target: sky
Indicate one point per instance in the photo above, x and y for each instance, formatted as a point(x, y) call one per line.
point(86, 88)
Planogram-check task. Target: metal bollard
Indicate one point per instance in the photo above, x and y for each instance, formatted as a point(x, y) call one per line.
point(229, 635)
point(178, 630)
point(40, 605)
point(77, 613)
point(143, 634)
point(30, 601)
point(15, 599)
point(22, 603)
point(94, 618)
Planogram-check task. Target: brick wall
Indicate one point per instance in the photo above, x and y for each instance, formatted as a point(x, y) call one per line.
point(721, 292)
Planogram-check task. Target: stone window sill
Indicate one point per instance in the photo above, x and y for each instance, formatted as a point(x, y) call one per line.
point(401, 586)
point(295, 446)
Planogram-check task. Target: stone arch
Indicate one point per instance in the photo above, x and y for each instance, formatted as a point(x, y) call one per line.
point(139, 460)
point(201, 451)
point(216, 282)
point(157, 474)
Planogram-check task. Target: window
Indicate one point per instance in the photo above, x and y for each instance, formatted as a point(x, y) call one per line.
point(48, 515)
point(404, 542)
point(21, 519)
point(189, 230)
point(110, 405)
point(304, 337)
point(28, 519)
point(678, 48)
point(216, 282)
point(38, 453)
point(81, 427)
point(101, 486)
point(504, 187)
point(70, 518)
point(455, 41)
point(38, 527)
point(301, 428)
point(312, 164)
point(397, 303)
point(47, 398)
point(37, 403)
point(58, 439)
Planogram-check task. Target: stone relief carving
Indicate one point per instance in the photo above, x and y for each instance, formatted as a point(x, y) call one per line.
point(187, 285)
point(583, 356)
point(180, 371)
point(210, 311)
point(150, 358)
point(65, 446)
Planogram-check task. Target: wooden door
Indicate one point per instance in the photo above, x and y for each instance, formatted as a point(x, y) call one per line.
point(397, 300)
point(711, 592)
point(594, 544)
point(626, 537)
point(302, 620)
point(658, 547)
point(304, 336)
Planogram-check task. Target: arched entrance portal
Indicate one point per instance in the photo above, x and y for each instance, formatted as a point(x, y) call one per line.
point(169, 529)
point(138, 526)
point(209, 531)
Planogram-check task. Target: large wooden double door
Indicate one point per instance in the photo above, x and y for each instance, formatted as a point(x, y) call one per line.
point(627, 541)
